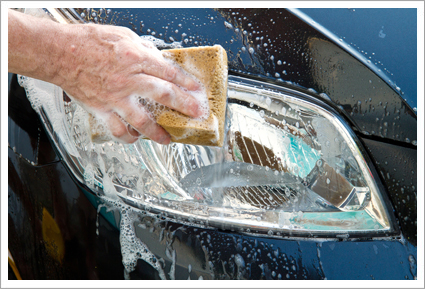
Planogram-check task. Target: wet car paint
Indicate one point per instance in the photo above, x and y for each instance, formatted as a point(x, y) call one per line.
point(46, 182)
point(386, 36)
point(209, 253)
point(398, 169)
point(303, 55)
point(363, 95)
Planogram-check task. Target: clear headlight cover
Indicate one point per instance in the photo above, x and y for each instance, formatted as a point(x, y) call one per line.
point(290, 164)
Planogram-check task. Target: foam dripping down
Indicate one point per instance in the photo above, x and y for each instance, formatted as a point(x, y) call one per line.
point(132, 248)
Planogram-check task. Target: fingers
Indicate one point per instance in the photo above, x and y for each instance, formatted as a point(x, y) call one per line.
point(137, 121)
point(169, 95)
point(175, 75)
point(151, 60)
point(119, 129)
point(154, 64)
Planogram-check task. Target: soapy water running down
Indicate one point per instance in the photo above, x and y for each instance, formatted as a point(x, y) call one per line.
point(287, 166)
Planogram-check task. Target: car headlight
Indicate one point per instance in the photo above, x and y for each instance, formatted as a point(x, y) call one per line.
point(290, 164)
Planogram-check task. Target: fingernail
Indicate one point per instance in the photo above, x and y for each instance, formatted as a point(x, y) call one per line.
point(132, 131)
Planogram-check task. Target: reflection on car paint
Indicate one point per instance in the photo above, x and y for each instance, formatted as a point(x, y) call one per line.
point(310, 65)
point(222, 267)
point(244, 256)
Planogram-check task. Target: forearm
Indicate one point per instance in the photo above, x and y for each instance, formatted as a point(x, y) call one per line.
point(103, 68)
point(36, 46)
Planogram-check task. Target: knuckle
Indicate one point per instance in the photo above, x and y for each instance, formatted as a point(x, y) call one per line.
point(144, 59)
point(131, 54)
point(165, 96)
point(170, 73)
point(127, 31)
point(141, 121)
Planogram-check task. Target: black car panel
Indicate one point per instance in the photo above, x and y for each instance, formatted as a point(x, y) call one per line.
point(45, 198)
point(297, 52)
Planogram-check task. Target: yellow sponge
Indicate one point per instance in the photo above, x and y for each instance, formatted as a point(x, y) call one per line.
point(209, 65)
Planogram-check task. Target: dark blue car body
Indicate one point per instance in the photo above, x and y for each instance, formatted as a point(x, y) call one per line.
point(39, 180)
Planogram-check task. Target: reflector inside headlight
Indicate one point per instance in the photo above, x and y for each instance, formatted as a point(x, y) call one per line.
point(289, 164)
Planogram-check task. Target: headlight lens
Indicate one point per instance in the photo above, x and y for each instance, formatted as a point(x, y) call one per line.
point(289, 164)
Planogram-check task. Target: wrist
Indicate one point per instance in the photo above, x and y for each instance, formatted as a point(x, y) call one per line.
point(66, 54)
point(76, 56)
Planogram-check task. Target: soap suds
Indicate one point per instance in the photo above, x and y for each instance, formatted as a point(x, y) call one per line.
point(98, 121)
point(160, 44)
point(132, 248)
point(47, 96)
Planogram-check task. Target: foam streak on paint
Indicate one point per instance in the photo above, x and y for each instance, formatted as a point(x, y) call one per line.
point(132, 248)
point(97, 217)
point(172, 272)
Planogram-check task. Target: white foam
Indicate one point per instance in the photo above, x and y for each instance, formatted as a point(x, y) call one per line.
point(160, 43)
point(48, 96)
point(215, 128)
point(132, 248)
point(42, 94)
point(200, 94)
point(172, 272)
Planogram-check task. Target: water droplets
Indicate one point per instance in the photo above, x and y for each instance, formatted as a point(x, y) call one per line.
point(198, 181)
point(268, 101)
point(239, 261)
point(228, 25)
point(131, 246)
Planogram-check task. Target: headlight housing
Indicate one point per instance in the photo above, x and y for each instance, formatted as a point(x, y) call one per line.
point(290, 165)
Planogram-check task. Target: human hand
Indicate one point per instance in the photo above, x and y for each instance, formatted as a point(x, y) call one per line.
point(104, 67)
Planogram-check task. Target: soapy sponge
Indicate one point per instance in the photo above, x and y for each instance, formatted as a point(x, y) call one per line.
point(208, 64)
